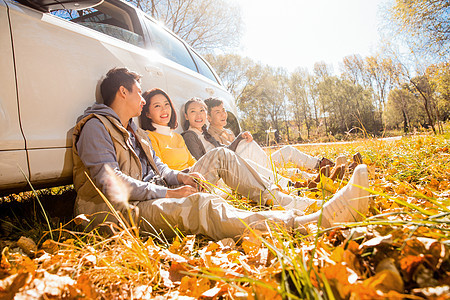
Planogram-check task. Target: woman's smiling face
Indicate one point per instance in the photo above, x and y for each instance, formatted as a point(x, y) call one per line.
point(196, 115)
point(159, 110)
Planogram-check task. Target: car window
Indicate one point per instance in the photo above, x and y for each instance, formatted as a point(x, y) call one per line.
point(169, 46)
point(104, 23)
point(111, 26)
point(203, 67)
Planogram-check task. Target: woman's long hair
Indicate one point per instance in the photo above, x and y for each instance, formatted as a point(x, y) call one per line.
point(187, 124)
point(146, 122)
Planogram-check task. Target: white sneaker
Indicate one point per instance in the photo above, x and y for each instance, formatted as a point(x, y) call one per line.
point(351, 203)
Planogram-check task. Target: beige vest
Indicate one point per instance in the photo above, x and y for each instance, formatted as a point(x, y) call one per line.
point(88, 200)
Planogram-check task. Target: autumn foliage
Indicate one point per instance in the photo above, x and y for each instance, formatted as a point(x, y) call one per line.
point(400, 251)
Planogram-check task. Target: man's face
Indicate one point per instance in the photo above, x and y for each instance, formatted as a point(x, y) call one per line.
point(218, 116)
point(135, 100)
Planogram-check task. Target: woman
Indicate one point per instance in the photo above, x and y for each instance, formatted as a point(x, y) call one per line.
point(159, 119)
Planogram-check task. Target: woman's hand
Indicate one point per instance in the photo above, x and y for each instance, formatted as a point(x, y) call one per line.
point(180, 192)
point(247, 136)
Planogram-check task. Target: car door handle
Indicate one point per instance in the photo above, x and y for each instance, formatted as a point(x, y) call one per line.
point(210, 91)
point(154, 71)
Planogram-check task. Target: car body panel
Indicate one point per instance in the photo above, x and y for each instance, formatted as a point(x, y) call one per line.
point(10, 133)
point(13, 157)
point(57, 66)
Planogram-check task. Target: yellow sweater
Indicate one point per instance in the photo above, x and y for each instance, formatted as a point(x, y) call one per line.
point(171, 150)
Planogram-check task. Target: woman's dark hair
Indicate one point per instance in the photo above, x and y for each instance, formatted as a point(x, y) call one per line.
point(146, 122)
point(187, 124)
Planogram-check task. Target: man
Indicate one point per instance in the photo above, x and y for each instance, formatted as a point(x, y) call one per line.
point(105, 138)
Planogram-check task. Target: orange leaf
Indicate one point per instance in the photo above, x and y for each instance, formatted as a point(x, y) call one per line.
point(177, 272)
point(250, 248)
point(337, 254)
point(50, 246)
point(409, 264)
point(353, 247)
point(352, 262)
point(194, 287)
point(387, 277)
point(86, 287)
point(175, 247)
point(385, 281)
point(434, 184)
point(268, 290)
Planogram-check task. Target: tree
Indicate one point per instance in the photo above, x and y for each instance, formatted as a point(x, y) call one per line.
point(236, 72)
point(439, 76)
point(354, 69)
point(299, 100)
point(402, 103)
point(381, 73)
point(263, 103)
point(347, 106)
point(426, 24)
point(205, 24)
point(420, 86)
point(323, 85)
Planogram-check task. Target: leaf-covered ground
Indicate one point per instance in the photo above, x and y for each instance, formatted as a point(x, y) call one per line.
point(400, 251)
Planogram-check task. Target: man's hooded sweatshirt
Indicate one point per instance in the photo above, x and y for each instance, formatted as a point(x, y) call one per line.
point(118, 162)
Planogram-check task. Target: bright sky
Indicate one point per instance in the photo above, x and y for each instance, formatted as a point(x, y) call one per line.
point(298, 33)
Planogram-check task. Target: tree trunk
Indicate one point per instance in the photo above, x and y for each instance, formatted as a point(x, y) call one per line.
point(405, 122)
point(287, 131)
point(425, 104)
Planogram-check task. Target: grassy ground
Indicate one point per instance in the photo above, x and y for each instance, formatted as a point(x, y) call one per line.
point(400, 251)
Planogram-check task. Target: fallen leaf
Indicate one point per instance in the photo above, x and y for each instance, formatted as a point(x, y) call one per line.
point(387, 277)
point(85, 285)
point(50, 246)
point(193, 286)
point(377, 241)
point(212, 293)
point(408, 265)
point(176, 272)
point(27, 245)
point(80, 219)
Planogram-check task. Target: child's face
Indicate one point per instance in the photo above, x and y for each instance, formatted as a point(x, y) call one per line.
point(218, 116)
point(196, 115)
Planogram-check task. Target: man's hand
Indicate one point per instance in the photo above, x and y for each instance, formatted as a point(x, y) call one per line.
point(247, 136)
point(180, 192)
point(193, 179)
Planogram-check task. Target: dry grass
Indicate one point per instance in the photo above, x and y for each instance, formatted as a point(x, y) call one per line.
point(400, 251)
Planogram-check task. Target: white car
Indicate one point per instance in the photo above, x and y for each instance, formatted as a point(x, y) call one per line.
point(50, 68)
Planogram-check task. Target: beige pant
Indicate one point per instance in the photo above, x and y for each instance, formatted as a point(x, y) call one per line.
point(211, 215)
point(264, 164)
